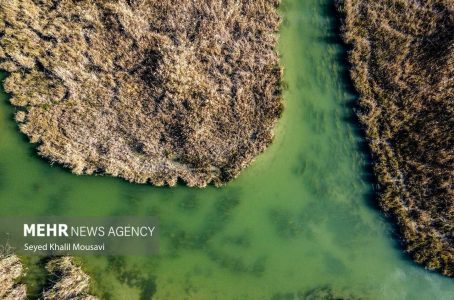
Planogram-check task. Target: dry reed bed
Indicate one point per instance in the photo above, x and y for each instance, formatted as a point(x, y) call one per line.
point(11, 271)
point(151, 91)
point(66, 280)
point(403, 66)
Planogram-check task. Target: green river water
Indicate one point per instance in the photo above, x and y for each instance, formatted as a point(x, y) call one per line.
point(300, 219)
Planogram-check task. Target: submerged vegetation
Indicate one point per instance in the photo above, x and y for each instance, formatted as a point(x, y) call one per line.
point(403, 66)
point(151, 91)
point(319, 293)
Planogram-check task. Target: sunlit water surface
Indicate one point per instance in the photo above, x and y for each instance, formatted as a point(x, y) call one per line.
point(301, 219)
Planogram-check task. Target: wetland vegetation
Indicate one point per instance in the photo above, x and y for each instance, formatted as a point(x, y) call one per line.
point(297, 224)
point(64, 280)
point(403, 68)
point(150, 91)
point(11, 270)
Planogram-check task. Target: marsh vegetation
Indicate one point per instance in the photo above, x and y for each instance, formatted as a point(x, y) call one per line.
point(65, 280)
point(11, 270)
point(403, 67)
point(151, 91)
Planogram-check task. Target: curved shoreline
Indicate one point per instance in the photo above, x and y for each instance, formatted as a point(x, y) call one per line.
point(402, 66)
point(135, 90)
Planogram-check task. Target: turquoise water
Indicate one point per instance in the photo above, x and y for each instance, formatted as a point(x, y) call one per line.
point(301, 218)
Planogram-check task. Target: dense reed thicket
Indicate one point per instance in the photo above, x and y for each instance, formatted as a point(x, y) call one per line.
point(403, 66)
point(68, 281)
point(11, 271)
point(151, 91)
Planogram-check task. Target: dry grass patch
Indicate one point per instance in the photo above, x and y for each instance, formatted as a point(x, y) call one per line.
point(151, 91)
point(403, 68)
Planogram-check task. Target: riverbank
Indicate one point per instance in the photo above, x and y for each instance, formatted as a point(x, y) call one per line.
point(402, 57)
point(150, 92)
point(297, 222)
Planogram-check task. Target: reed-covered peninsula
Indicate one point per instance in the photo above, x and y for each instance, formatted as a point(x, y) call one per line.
point(402, 60)
point(150, 91)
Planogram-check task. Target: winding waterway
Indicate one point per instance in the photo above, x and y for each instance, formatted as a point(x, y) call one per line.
point(299, 221)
